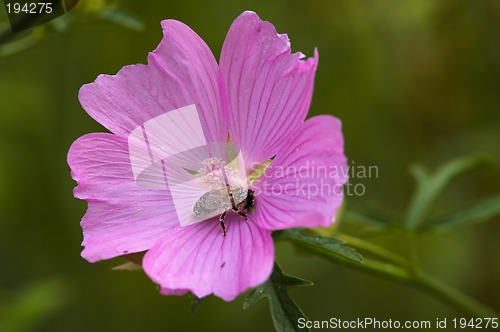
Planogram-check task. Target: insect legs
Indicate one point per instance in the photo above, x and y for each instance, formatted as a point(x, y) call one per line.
point(223, 215)
point(221, 219)
point(241, 213)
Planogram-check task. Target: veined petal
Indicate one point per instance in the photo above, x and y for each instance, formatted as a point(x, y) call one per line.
point(200, 259)
point(122, 217)
point(269, 89)
point(303, 185)
point(180, 72)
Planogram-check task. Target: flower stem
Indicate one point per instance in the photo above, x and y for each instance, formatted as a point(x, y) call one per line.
point(453, 297)
point(372, 248)
point(413, 277)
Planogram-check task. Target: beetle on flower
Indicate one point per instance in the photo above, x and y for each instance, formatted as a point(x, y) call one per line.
point(258, 95)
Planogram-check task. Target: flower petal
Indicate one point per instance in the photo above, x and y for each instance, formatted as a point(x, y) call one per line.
point(200, 259)
point(122, 217)
point(180, 72)
point(302, 186)
point(269, 89)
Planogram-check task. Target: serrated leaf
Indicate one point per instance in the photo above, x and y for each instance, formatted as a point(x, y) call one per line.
point(429, 186)
point(328, 244)
point(284, 311)
point(479, 212)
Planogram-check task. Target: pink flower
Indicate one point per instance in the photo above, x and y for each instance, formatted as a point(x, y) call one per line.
point(259, 94)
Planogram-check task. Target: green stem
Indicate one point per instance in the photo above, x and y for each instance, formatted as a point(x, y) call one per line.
point(413, 253)
point(416, 279)
point(453, 297)
point(374, 249)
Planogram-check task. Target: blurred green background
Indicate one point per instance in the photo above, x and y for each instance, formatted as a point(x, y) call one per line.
point(412, 81)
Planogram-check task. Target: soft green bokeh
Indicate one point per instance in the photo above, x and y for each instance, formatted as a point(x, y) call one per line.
point(412, 81)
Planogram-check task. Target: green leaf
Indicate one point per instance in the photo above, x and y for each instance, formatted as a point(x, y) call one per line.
point(231, 153)
point(259, 171)
point(479, 212)
point(19, 44)
point(128, 266)
point(327, 244)
point(429, 186)
point(190, 171)
point(62, 23)
point(123, 18)
point(365, 224)
point(284, 311)
point(33, 305)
